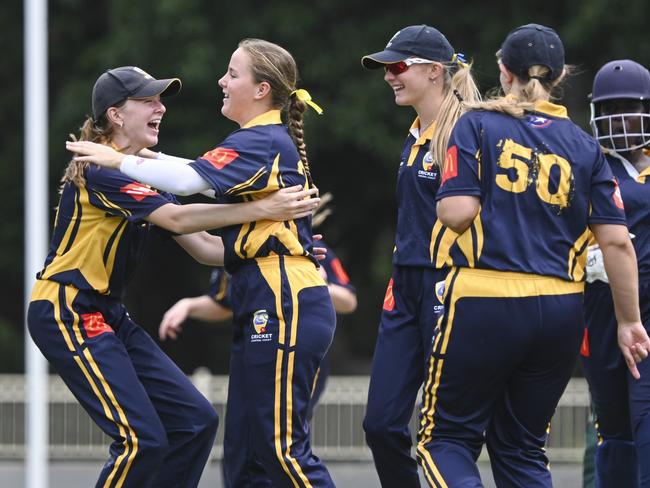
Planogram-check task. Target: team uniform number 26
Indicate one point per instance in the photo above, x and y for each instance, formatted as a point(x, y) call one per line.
point(520, 159)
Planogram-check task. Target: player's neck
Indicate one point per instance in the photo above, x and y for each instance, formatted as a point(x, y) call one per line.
point(428, 111)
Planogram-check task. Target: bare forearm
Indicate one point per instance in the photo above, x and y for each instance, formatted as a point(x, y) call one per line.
point(621, 268)
point(203, 247)
point(206, 309)
point(196, 217)
point(620, 265)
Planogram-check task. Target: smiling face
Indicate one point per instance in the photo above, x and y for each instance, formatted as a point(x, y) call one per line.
point(239, 88)
point(412, 86)
point(137, 122)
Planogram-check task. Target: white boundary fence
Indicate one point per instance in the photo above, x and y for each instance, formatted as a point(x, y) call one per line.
point(336, 428)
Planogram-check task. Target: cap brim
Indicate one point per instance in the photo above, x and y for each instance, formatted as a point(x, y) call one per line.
point(382, 58)
point(164, 88)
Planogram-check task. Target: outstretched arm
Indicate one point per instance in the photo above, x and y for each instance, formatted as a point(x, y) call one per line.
point(200, 308)
point(621, 268)
point(286, 204)
point(203, 247)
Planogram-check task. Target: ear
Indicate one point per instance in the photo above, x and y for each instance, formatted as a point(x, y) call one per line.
point(508, 76)
point(435, 71)
point(262, 90)
point(114, 116)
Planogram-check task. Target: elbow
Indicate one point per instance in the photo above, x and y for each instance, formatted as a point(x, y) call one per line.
point(458, 212)
point(177, 225)
point(458, 225)
point(456, 221)
point(185, 185)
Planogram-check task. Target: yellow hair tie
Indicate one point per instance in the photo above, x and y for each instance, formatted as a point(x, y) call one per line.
point(459, 59)
point(304, 96)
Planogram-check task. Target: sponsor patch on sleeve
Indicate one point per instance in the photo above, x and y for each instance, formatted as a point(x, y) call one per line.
point(618, 199)
point(220, 157)
point(389, 299)
point(451, 164)
point(138, 191)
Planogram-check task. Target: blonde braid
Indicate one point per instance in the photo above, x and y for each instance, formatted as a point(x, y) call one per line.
point(296, 112)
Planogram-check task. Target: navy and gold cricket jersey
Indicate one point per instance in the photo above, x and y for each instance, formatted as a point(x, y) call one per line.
point(541, 181)
point(252, 162)
point(635, 190)
point(99, 233)
point(420, 239)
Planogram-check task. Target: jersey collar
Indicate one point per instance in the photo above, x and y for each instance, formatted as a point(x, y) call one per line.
point(546, 108)
point(421, 138)
point(267, 118)
point(552, 109)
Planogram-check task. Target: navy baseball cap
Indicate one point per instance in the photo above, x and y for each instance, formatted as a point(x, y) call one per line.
point(531, 45)
point(118, 84)
point(415, 41)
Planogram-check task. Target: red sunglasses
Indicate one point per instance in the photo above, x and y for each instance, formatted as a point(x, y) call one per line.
point(401, 66)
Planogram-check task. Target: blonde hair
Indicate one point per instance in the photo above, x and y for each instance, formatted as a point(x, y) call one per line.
point(101, 132)
point(459, 89)
point(275, 65)
point(538, 87)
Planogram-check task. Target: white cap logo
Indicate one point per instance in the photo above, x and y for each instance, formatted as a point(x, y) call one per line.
point(143, 73)
point(392, 39)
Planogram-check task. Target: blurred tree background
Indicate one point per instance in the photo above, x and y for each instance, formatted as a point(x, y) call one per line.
point(354, 148)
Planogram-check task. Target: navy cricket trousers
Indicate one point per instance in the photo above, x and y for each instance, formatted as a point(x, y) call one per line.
point(502, 356)
point(411, 308)
point(162, 427)
point(284, 324)
point(621, 403)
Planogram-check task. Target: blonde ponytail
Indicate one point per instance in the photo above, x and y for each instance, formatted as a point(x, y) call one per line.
point(538, 88)
point(460, 89)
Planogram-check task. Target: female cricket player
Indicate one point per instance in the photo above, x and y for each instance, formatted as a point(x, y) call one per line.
point(425, 73)
point(523, 187)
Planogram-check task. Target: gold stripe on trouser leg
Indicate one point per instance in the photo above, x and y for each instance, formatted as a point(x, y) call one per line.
point(70, 294)
point(122, 418)
point(429, 465)
point(301, 274)
point(430, 392)
point(270, 270)
point(49, 291)
point(109, 416)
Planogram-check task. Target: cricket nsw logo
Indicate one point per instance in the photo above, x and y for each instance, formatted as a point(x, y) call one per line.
point(260, 321)
point(440, 294)
point(427, 164)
